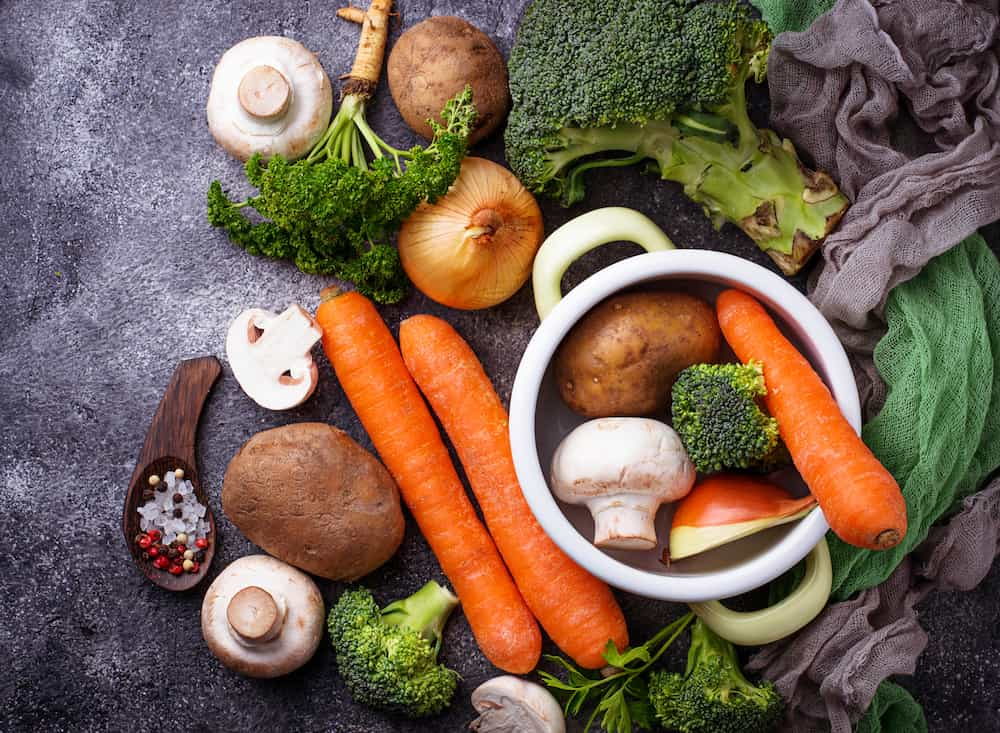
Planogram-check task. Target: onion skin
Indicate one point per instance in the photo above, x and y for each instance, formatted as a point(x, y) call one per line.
point(475, 246)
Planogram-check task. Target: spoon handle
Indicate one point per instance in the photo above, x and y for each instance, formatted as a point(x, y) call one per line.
point(175, 424)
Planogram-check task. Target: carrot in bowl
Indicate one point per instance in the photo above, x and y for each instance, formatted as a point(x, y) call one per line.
point(860, 498)
point(726, 507)
point(577, 610)
point(374, 378)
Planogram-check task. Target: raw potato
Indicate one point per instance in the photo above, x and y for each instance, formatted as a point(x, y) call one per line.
point(311, 496)
point(434, 60)
point(621, 359)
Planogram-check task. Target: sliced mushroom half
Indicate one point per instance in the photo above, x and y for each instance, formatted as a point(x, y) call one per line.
point(270, 355)
point(510, 704)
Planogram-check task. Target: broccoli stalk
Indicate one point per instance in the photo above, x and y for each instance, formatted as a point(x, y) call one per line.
point(425, 612)
point(663, 82)
point(713, 696)
point(388, 658)
point(335, 211)
point(714, 411)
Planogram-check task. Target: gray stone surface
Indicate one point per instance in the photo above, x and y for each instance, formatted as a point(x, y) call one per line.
point(111, 275)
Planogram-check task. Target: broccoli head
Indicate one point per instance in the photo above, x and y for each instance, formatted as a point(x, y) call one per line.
point(713, 696)
point(716, 414)
point(388, 657)
point(662, 81)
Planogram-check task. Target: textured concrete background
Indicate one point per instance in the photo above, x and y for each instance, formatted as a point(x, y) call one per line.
point(111, 275)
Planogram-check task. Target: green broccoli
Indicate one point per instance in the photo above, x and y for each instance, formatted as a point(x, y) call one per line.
point(715, 412)
point(713, 696)
point(602, 83)
point(388, 658)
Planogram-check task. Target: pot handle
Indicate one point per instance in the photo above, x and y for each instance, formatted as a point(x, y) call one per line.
point(784, 618)
point(580, 235)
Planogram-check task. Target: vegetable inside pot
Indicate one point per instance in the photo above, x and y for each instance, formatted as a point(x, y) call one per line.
point(727, 507)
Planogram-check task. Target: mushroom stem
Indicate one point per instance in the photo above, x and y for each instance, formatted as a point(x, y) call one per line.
point(367, 68)
point(265, 93)
point(254, 616)
point(624, 522)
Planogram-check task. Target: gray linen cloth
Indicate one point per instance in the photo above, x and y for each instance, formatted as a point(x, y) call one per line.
point(900, 100)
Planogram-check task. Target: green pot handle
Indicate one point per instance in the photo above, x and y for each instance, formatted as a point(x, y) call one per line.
point(580, 235)
point(784, 618)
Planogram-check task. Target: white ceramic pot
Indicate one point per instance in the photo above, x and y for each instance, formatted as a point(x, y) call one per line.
point(539, 420)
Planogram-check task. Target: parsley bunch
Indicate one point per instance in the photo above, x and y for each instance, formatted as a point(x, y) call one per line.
point(621, 698)
point(335, 211)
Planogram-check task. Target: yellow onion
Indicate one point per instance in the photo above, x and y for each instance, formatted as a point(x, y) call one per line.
point(473, 247)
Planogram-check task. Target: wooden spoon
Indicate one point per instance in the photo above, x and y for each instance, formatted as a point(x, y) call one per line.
point(170, 445)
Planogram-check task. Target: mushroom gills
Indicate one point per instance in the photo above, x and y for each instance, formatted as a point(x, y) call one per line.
point(509, 704)
point(270, 355)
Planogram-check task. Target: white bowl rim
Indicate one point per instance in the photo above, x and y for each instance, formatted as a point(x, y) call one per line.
point(721, 268)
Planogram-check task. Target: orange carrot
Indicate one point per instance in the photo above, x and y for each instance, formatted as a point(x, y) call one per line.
point(734, 498)
point(860, 498)
point(375, 380)
point(576, 609)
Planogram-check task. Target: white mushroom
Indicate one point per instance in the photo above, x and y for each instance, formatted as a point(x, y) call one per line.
point(622, 469)
point(262, 617)
point(269, 95)
point(509, 704)
point(270, 355)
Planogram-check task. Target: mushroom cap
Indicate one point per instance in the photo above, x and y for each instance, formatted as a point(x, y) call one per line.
point(270, 355)
point(633, 455)
point(509, 703)
point(269, 95)
point(262, 617)
point(623, 469)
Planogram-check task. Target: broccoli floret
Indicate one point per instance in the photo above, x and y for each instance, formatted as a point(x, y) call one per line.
point(713, 696)
point(599, 83)
point(715, 412)
point(388, 657)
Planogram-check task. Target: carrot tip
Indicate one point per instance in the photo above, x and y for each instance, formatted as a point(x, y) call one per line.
point(329, 293)
point(887, 539)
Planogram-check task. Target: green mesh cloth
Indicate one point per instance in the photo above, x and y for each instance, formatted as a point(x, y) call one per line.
point(893, 711)
point(791, 15)
point(939, 431)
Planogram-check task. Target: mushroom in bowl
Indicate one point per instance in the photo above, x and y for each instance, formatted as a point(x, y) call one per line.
point(622, 469)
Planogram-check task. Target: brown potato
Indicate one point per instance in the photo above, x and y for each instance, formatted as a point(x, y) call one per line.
point(434, 60)
point(622, 357)
point(311, 496)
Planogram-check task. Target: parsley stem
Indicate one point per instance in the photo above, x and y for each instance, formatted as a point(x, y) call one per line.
point(347, 145)
point(358, 153)
point(370, 137)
